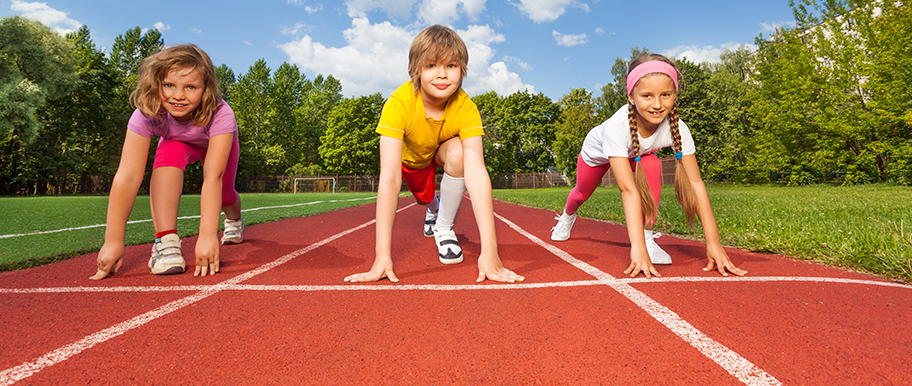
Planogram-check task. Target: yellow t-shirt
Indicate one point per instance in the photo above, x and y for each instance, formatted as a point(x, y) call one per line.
point(403, 118)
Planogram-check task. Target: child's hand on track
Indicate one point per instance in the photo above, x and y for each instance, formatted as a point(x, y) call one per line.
point(110, 258)
point(207, 256)
point(382, 268)
point(493, 269)
point(718, 257)
point(639, 262)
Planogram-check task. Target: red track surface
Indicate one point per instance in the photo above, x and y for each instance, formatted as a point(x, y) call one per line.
point(279, 313)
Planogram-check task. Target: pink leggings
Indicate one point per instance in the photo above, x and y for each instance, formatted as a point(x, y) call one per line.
point(180, 154)
point(588, 178)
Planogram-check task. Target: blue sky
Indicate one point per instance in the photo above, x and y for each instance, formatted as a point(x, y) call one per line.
point(546, 46)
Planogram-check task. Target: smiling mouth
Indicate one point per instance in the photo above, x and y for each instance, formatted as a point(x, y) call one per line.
point(441, 86)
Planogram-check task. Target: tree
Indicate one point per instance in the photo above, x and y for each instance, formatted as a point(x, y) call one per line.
point(35, 66)
point(319, 97)
point(519, 133)
point(226, 81)
point(578, 115)
point(250, 96)
point(351, 144)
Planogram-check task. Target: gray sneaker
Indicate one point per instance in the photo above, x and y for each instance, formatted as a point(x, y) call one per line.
point(561, 231)
point(234, 231)
point(656, 254)
point(166, 256)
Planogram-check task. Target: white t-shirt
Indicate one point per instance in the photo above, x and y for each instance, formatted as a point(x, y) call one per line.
point(612, 139)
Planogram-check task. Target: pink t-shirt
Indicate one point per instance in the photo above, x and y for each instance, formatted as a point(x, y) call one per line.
point(222, 122)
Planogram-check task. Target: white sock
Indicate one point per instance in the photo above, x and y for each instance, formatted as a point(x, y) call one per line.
point(451, 192)
point(434, 205)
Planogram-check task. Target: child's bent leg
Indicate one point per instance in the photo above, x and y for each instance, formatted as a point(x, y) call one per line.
point(165, 189)
point(452, 185)
point(587, 179)
point(231, 201)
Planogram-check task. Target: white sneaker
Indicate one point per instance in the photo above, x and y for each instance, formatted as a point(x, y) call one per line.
point(448, 248)
point(561, 231)
point(234, 231)
point(656, 254)
point(166, 256)
point(430, 219)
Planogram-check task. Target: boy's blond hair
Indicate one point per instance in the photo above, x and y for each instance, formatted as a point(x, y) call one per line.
point(433, 43)
point(147, 95)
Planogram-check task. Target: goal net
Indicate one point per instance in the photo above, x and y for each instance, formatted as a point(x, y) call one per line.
point(315, 185)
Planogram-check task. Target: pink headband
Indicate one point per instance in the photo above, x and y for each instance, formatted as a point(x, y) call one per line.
point(651, 67)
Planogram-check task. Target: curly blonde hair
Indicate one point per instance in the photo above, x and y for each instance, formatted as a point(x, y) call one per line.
point(147, 95)
point(434, 43)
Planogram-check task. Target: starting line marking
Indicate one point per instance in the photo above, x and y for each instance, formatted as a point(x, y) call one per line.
point(736, 365)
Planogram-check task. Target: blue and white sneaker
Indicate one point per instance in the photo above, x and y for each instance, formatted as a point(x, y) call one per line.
point(166, 256)
point(448, 248)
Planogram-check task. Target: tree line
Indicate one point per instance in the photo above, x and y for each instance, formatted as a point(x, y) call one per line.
point(824, 101)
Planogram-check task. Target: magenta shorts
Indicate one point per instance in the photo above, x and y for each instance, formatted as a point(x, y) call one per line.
point(180, 154)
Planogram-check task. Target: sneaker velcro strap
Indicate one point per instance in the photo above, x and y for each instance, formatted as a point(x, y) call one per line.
point(449, 242)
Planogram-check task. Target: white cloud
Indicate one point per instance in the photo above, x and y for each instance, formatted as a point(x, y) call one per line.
point(196, 31)
point(703, 54)
point(296, 30)
point(393, 8)
point(541, 11)
point(519, 62)
point(375, 59)
point(295, 2)
point(776, 25)
point(569, 40)
point(161, 27)
point(599, 31)
point(57, 20)
point(438, 11)
point(311, 10)
point(246, 42)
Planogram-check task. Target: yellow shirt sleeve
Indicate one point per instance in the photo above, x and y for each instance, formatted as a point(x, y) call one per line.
point(403, 117)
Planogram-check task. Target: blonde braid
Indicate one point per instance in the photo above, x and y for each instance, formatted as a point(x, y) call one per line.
point(650, 212)
point(683, 189)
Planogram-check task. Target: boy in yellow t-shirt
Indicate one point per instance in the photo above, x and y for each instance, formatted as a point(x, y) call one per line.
point(428, 122)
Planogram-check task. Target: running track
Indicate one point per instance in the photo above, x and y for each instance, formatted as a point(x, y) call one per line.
point(279, 313)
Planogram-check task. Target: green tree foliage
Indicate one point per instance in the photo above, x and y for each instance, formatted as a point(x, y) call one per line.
point(519, 131)
point(250, 97)
point(319, 97)
point(816, 85)
point(578, 115)
point(351, 144)
point(226, 81)
point(36, 66)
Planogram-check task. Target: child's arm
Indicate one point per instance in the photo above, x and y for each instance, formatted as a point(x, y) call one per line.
point(126, 183)
point(478, 183)
point(714, 251)
point(633, 216)
point(387, 200)
point(207, 244)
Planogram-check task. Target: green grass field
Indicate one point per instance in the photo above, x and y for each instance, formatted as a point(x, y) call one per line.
point(26, 215)
point(868, 228)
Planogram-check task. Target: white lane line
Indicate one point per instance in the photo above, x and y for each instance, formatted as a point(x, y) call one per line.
point(180, 218)
point(27, 369)
point(453, 287)
point(735, 364)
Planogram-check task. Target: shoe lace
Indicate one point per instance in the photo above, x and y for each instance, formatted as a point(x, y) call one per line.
point(561, 224)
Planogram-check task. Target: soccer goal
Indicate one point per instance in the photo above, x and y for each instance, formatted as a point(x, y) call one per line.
point(315, 185)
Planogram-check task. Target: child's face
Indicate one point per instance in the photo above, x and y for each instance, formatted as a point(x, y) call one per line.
point(653, 96)
point(440, 79)
point(181, 92)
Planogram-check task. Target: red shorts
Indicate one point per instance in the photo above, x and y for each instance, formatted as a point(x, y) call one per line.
point(421, 182)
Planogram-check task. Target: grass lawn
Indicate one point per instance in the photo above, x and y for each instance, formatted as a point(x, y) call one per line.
point(28, 215)
point(868, 228)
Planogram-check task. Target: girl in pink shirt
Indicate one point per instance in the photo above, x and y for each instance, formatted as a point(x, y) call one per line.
point(177, 99)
